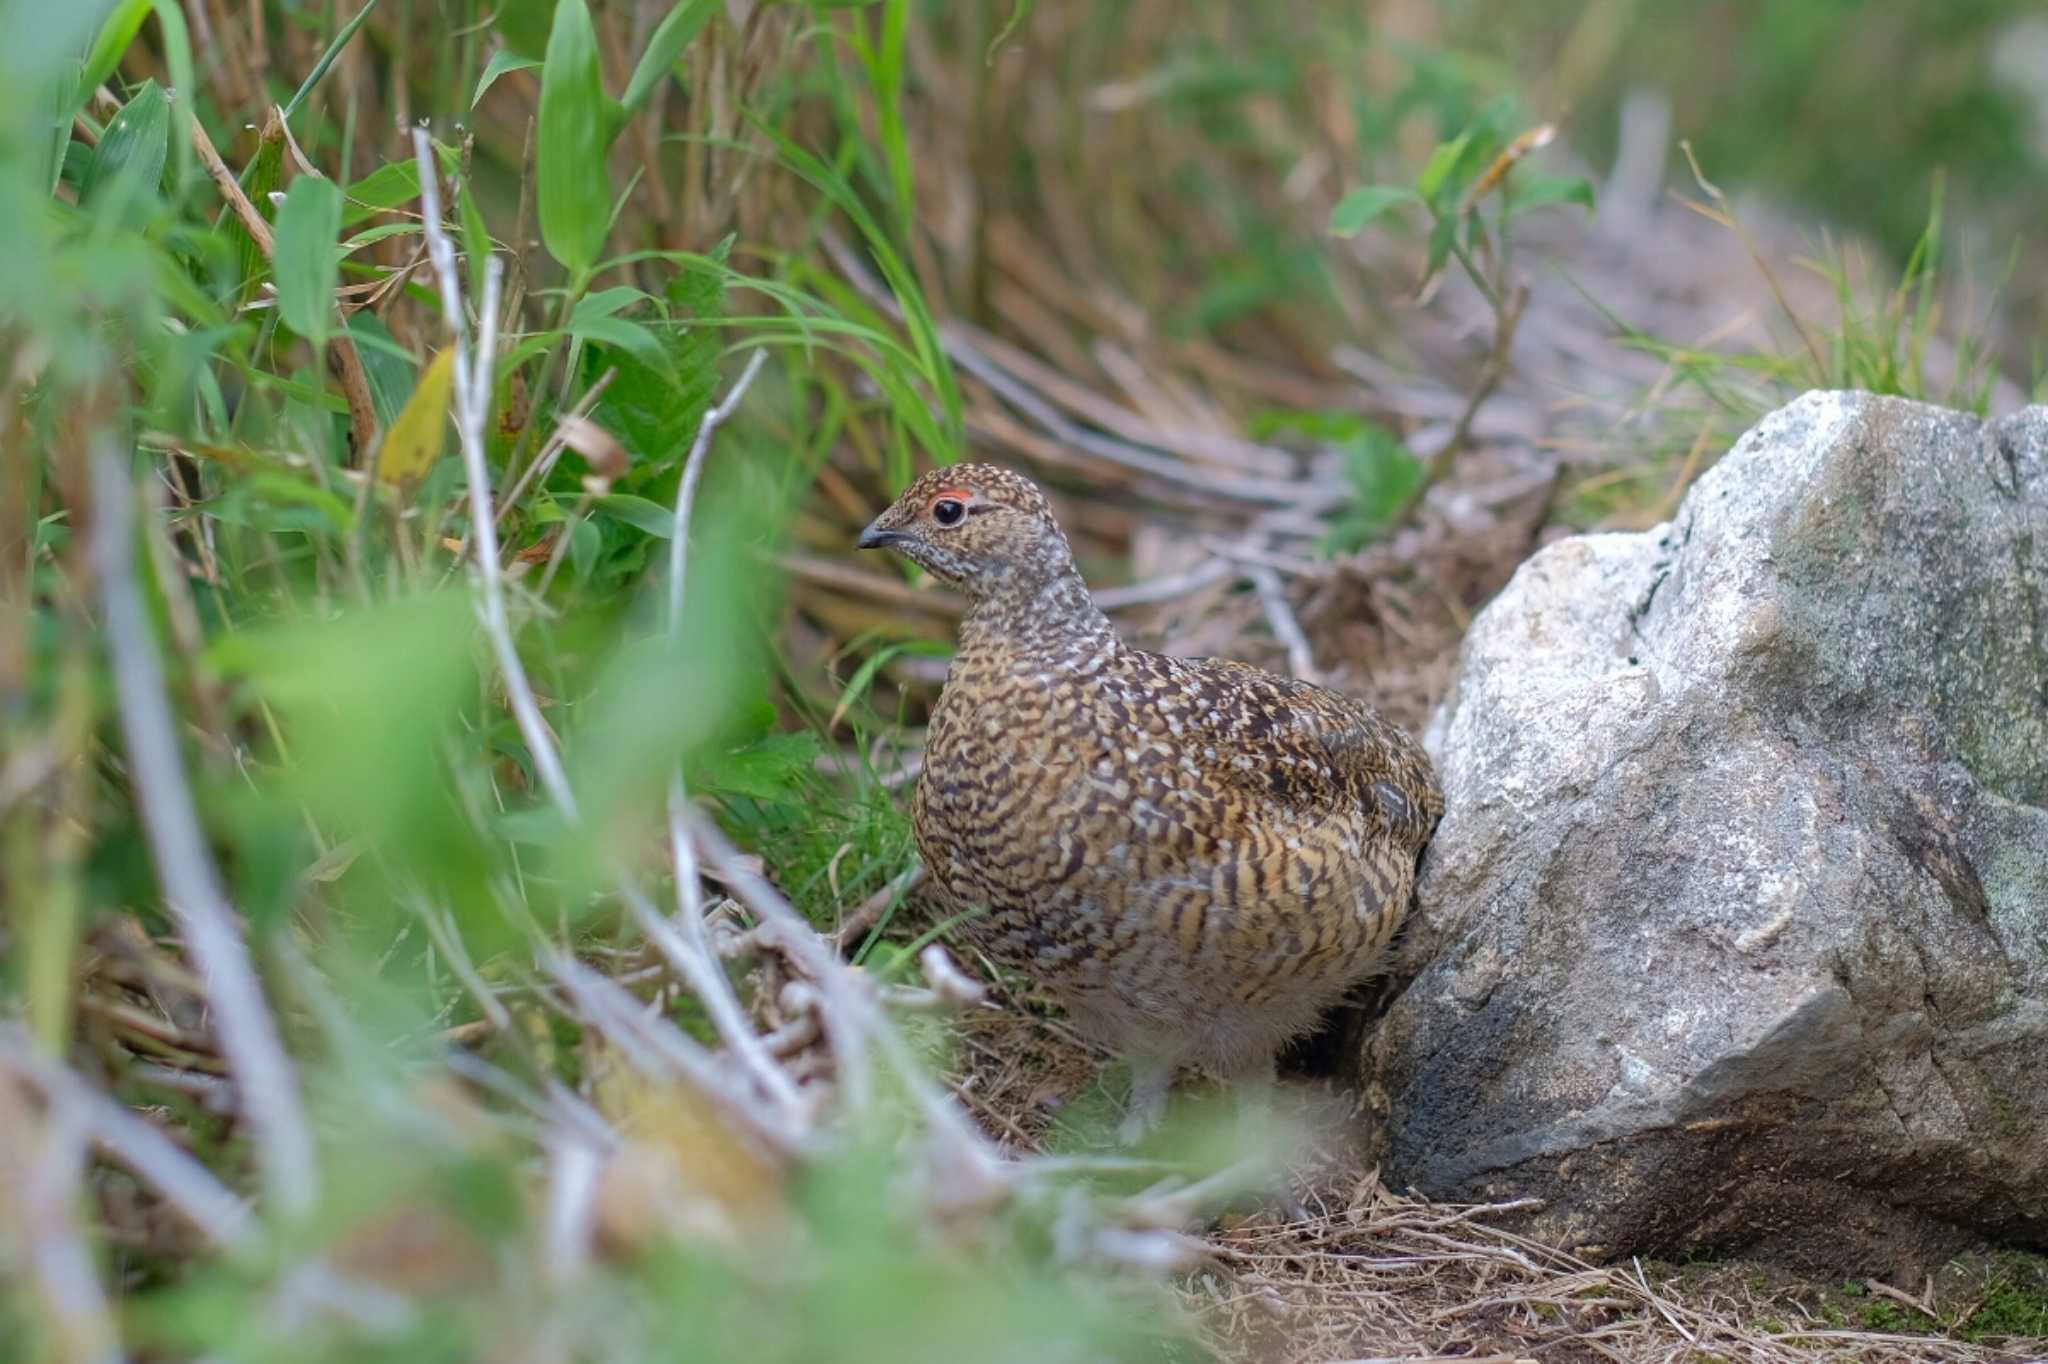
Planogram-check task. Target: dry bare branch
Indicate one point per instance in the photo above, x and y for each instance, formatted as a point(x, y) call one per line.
point(961, 347)
point(846, 1013)
point(1166, 587)
point(657, 1047)
point(552, 449)
point(839, 577)
point(343, 356)
point(953, 987)
point(472, 402)
point(685, 944)
point(965, 1169)
point(682, 944)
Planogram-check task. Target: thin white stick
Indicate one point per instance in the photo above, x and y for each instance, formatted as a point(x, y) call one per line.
point(969, 1166)
point(473, 375)
point(844, 1013)
point(1300, 658)
point(555, 444)
point(42, 1178)
point(665, 1048)
point(684, 943)
point(137, 1146)
point(472, 403)
point(573, 1168)
point(248, 1035)
point(448, 938)
point(1164, 588)
point(959, 344)
point(954, 987)
point(686, 494)
point(850, 1018)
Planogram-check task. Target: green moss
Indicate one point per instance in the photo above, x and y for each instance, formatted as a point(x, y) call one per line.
point(2016, 1306)
point(1883, 1316)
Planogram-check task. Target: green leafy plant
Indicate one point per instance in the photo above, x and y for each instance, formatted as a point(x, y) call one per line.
point(1479, 164)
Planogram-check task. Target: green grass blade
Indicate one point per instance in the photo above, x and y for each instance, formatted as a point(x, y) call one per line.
point(502, 63)
point(110, 44)
point(576, 124)
point(683, 23)
point(1358, 208)
point(304, 267)
point(1020, 10)
point(917, 315)
point(264, 173)
point(130, 158)
point(320, 68)
point(887, 74)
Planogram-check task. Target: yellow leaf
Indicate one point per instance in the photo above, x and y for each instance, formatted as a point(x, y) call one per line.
point(414, 441)
point(681, 1173)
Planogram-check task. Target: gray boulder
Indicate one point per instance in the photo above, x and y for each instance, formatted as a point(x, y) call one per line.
point(1735, 933)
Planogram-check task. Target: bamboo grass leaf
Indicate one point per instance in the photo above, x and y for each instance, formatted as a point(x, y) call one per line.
point(576, 125)
point(130, 158)
point(307, 256)
point(501, 64)
point(1360, 207)
point(683, 23)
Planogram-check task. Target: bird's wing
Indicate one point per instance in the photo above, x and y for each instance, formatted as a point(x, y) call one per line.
point(1309, 748)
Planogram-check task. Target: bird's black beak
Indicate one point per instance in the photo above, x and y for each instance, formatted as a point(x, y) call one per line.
point(874, 537)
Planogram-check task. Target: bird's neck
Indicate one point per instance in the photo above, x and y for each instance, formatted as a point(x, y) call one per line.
point(1053, 617)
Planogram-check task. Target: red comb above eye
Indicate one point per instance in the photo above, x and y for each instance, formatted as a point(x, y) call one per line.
point(957, 494)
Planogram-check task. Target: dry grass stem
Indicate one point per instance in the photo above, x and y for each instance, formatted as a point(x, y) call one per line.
point(247, 1034)
point(42, 1183)
point(1273, 597)
point(135, 1144)
point(870, 911)
point(473, 366)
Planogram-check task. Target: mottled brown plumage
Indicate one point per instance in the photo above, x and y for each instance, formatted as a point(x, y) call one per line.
point(1197, 857)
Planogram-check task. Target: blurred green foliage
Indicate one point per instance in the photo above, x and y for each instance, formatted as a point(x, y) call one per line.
point(1846, 108)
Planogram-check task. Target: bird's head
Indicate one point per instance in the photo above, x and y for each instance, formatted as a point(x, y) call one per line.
point(985, 530)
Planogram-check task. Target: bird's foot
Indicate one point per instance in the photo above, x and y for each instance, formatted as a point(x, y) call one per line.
point(1150, 1081)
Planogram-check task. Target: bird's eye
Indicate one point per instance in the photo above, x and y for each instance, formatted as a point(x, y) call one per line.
point(947, 512)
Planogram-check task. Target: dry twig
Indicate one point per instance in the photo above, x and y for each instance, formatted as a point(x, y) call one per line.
point(870, 911)
point(685, 944)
